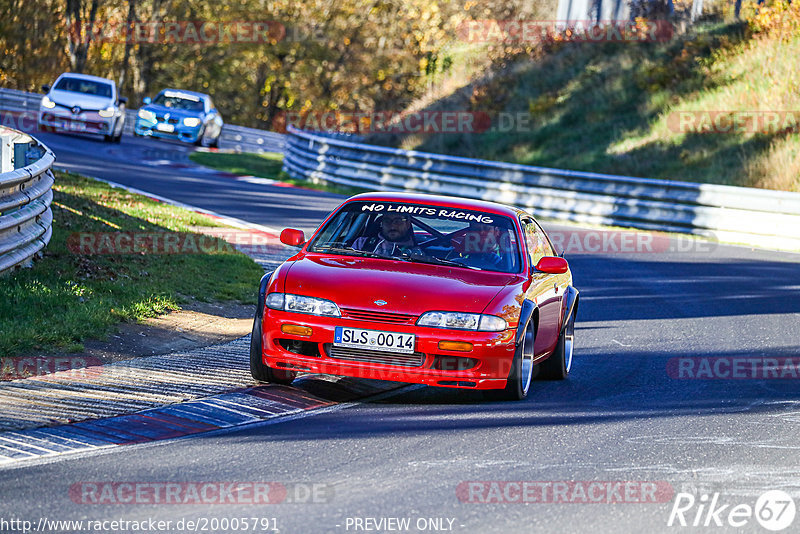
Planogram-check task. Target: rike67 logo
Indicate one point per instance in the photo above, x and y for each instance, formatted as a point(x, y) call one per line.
point(774, 510)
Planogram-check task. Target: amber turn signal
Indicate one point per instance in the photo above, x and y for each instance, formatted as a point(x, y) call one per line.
point(459, 346)
point(296, 330)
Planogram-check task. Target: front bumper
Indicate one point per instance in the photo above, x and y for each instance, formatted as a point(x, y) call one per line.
point(160, 130)
point(85, 122)
point(486, 366)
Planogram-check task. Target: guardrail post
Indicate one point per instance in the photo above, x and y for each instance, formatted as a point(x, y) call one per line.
point(6, 153)
point(22, 155)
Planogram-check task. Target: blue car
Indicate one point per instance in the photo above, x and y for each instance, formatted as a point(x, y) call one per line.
point(183, 115)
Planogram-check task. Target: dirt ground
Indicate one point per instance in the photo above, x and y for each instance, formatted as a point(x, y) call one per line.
point(196, 325)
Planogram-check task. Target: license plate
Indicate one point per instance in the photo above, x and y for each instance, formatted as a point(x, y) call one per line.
point(165, 127)
point(358, 338)
point(77, 126)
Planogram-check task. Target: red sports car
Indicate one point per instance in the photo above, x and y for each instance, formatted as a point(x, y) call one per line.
point(419, 288)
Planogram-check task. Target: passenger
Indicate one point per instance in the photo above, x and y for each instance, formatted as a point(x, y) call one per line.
point(482, 247)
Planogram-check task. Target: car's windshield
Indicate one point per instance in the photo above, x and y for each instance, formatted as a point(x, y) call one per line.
point(179, 101)
point(86, 87)
point(422, 233)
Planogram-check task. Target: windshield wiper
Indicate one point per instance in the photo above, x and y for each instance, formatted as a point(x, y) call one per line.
point(352, 252)
point(435, 260)
point(403, 256)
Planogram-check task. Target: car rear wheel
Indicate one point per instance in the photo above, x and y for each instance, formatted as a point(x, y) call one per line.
point(261, 371)
point(557, 366)
point(522, 371)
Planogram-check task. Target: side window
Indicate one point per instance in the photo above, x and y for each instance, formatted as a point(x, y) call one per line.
point(536, 240)
point(547, 247)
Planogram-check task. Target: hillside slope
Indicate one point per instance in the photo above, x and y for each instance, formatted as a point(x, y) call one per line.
point(644, 109)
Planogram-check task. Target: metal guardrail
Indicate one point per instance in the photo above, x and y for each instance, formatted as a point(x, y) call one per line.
point(25, 197)
point(759, 217)
point(735, 214)
point(239, 138)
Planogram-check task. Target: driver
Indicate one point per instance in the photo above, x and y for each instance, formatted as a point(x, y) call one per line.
point(395, 237)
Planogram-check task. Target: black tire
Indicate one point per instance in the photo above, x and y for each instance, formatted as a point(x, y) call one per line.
point(215, 143)
point(108, 138)
point(558, 365)
point(261, 371)
point(521, 374)
point(118, 139)
point(199, 141)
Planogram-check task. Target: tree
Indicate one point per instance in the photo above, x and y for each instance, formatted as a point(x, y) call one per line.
point(80, 26)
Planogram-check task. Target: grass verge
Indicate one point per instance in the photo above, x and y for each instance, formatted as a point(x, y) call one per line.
point(264, 165)
point(68, 297)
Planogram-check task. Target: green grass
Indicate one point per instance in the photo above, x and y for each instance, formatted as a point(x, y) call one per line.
point(68, 297)
point(606, 108)
point(265, 165)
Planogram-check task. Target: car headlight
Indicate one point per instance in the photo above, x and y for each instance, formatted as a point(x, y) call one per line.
point(108, 112)
point(47, 103)
point(463, 321)
point(147, 115)
point(191, 122)
point(300, 304)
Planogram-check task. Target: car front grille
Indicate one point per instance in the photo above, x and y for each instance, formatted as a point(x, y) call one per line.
point(378, 317)
point(372, 356)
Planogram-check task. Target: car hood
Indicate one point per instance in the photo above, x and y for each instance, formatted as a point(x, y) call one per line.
point(70, 100)
point(174, 113)
point(407, 288)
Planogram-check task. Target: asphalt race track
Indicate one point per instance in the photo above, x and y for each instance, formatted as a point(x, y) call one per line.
point(641, 415)
point(163, 168)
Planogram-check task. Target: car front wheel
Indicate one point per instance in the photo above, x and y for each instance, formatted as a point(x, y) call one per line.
point(261, 371)
point(521, 374)
point(200, 141)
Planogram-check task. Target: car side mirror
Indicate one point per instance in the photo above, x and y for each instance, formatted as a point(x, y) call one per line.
point(147, 100)
point(552, 265)
point(292, 237)
point(46, 88)
point(122, 100)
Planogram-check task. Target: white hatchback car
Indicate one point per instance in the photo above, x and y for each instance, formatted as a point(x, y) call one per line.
point(80, 103)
